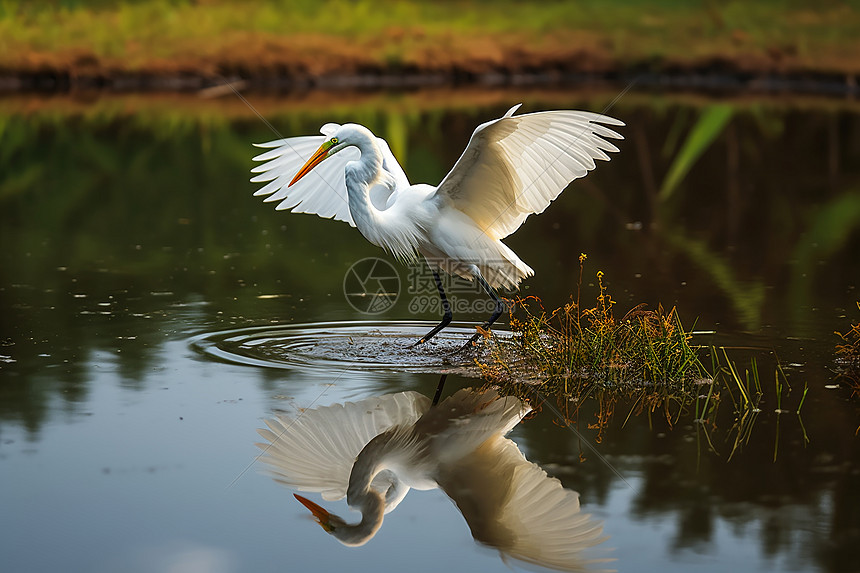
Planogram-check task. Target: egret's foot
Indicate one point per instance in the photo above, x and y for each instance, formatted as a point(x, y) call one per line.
point(471, 344)
point(483, 332)
point(446, 320)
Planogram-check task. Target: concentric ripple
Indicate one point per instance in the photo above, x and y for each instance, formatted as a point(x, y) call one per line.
point(370, 346)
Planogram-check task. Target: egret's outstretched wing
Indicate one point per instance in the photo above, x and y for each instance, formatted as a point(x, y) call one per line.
point(322, 191)
point(315, 451)
point(516, 165)
point(511, 504)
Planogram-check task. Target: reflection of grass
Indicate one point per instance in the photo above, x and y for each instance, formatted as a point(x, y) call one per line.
point(705, 131)
point(171, 34)
point(644, 360)
point(747, 297)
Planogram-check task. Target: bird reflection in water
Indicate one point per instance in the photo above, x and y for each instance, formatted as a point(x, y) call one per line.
point(374, 450)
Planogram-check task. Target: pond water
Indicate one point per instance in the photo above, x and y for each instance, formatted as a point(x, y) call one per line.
point(154, 314)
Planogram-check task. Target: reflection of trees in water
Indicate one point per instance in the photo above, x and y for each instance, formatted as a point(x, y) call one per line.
point(802, 508)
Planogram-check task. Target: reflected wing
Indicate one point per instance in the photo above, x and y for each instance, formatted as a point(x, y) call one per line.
point(467, 419)
point(316, 450)
point(511, 504)
point(321, 192)
point(516, 165)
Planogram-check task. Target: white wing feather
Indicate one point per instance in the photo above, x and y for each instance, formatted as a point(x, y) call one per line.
point(322, 191)
point(315, 451)
point(517, 165)
point(511, 504)
point(467, 419)
point(551, 529)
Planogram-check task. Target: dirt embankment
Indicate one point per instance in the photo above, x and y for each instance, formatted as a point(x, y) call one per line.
point(315, 62)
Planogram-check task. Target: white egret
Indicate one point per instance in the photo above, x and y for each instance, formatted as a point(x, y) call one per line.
point(374, 450)
point(512, 167)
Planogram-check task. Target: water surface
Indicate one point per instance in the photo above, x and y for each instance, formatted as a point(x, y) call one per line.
point(132, 250)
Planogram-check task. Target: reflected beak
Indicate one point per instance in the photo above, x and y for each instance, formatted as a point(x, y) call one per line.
point(315, 160)
point(323, 517)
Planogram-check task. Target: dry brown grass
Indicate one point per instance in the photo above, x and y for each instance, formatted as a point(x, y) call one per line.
point(848, 357)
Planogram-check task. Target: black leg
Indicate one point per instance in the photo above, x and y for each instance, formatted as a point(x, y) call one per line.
point(439, 389)
point(500, 308)
point(446, 308)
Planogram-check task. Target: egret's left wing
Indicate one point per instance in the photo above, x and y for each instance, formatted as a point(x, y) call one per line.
point(511, 504)
point(315, 451)
point(321, 192)
point(516, 165)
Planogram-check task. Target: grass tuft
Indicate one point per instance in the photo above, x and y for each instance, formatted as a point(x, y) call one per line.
point(582, 354)
point(848, 357)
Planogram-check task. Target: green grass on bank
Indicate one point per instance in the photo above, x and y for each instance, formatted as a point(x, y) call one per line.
point(319, 37)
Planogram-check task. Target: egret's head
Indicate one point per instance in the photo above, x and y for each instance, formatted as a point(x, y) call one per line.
point(348, 534)
point(338, 140)
point(327, 149)
point(328, 521)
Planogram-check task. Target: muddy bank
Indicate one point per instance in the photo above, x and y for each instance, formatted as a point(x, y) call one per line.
point(157, 46)
point(715, 76)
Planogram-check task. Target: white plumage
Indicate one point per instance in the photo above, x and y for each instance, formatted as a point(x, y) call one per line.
point(314, 452)
point(512, 167)
point(459, 446)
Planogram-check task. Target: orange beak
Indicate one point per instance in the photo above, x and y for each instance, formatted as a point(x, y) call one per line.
point(321, 514)
point(315, 160)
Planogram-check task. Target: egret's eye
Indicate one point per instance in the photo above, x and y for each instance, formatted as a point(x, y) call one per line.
point(334, 141)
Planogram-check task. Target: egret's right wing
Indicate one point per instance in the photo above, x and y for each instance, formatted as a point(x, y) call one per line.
point(323, 190)
point(315, 451)
point(511, 504)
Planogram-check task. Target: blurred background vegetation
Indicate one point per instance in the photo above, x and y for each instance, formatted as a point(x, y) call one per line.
point(319, 37)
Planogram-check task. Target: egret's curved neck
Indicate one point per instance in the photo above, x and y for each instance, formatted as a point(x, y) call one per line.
point(372, 509)
point(369, 462)
point(393, 225)
point(361, 175)
point(361, 496)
